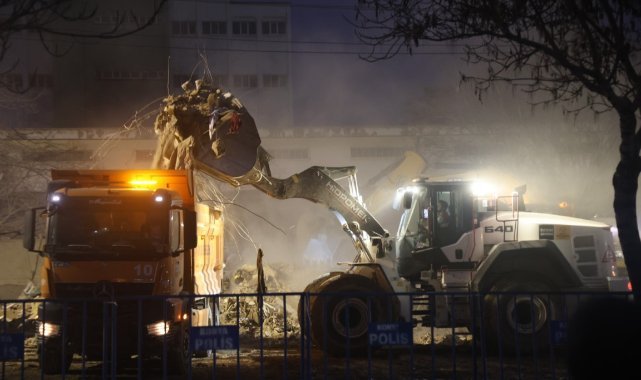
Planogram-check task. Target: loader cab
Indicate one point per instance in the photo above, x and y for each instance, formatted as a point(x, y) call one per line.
point(436, 214)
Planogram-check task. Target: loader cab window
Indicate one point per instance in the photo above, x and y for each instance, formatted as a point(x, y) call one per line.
point(414, 213)
point(454, 214)
point(437, 216)
point(446, 217)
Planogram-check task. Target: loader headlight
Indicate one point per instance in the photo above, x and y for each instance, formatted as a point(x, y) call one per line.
point(48, 329)
point(480, 189)
point(159, 328)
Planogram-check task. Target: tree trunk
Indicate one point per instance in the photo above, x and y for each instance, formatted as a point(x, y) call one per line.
point(625, 182)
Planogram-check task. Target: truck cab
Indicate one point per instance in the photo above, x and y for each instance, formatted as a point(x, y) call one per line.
point(131, 234)
point(120, 263)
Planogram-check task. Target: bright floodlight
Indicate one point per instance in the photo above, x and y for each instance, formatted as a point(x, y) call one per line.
point(482, 189)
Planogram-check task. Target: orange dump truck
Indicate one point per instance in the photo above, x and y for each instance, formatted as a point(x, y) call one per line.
point(128, 259)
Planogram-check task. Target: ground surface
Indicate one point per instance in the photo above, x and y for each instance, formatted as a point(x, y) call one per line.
point(439, 361)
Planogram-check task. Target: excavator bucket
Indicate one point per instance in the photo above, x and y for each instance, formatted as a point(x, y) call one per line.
point(233, 150)
point(207, 125)
point(209, 130)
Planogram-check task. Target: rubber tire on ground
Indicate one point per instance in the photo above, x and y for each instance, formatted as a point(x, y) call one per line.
point(51, 363)
point(510, 323)
point(328, 315)
point(312, 287)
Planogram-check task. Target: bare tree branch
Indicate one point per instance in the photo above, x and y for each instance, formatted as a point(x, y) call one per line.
point(583, 53)
point(52, 19)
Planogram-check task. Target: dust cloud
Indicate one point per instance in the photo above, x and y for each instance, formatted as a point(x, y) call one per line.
point(300, 239)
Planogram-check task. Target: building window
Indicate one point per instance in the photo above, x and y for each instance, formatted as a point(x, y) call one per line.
point(217, 80)
point(12, 82)
point(274, 27)
point(183, 27)
point(245, 81)
point(58, 156)
point(41, 81)
point(179, 79)
point(220, 81)
point(114, 74)
point(290, 154)
point(214, 28)
point(139, 20)
point(108, 18)
point(153, 74)
point(119, 17)
point(144, 155)
point(244, 27)
point(274, 80)
point(372, 152)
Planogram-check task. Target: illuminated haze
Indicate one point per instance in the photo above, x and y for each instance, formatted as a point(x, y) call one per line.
point(502, 139)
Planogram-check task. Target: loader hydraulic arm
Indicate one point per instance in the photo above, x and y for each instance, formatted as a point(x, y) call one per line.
point(317, 184)
point(209, 130)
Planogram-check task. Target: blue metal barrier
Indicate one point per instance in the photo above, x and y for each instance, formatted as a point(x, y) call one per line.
point(129, 337)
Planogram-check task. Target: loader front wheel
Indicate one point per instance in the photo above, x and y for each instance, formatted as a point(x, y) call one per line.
point(341, 312)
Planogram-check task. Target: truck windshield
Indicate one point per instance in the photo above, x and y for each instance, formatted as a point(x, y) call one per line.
point(119, 226)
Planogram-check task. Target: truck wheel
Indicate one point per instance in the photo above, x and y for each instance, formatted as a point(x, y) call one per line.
point(50, 355)
point(341, 312)
point(517, 318)
point(178, 355)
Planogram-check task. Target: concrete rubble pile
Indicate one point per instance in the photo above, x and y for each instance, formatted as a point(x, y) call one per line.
point(22, 317)
point(278, 318)
point(442, 336)
point(278, 321)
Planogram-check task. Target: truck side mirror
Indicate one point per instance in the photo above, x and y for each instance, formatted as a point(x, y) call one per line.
point(29, 229)
point(191, 234)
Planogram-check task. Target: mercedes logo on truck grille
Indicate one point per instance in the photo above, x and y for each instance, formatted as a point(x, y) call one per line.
point(104, 290)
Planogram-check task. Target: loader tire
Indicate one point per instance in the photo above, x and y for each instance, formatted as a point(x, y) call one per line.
point(517, 315)
point(341, 312)
point(303, 304)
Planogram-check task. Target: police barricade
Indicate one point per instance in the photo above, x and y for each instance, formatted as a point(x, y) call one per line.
point(292, 336)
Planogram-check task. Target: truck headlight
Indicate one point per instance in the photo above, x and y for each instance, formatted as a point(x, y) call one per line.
point(159, 328)
point(47, 329)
